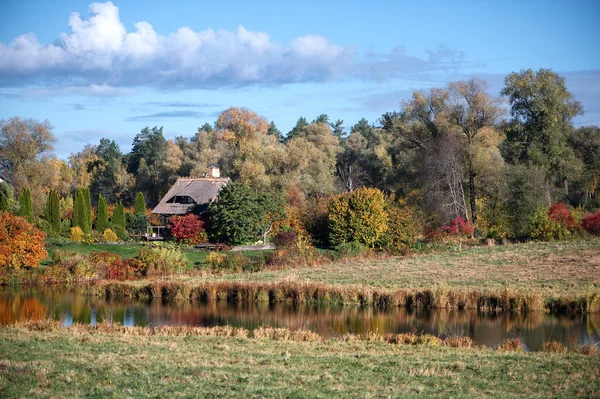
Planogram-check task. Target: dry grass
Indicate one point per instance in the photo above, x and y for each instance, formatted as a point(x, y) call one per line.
point(557, 269)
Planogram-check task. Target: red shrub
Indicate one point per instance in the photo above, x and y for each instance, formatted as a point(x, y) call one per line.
point(591, 223)
point(458, 226)
point(560, 213)
point(188, 229)
point(21, 244)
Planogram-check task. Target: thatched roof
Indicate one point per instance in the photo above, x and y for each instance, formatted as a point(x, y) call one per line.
point(190, 195)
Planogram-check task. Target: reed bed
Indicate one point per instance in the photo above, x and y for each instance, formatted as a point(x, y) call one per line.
point(316, 293)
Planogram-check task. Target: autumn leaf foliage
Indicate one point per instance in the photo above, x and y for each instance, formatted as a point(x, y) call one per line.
point(21, 244)
point(458, 226)
point(188, 229)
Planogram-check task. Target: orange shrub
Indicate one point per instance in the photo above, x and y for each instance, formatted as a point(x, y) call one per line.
point(21, 244)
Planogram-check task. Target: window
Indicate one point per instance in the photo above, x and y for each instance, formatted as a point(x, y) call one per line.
point(181, 199)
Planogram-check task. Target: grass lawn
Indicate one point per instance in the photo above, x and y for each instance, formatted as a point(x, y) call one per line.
point(558, 268)
point(72, 363)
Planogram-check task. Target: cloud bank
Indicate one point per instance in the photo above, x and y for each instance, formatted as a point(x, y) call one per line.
point(100, 54)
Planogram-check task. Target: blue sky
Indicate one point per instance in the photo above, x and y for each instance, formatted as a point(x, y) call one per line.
point(108, 69)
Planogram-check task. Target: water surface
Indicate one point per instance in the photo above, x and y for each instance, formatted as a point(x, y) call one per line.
point(71, 306)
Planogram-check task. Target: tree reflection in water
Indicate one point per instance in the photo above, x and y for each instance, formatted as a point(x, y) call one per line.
point(534, 328)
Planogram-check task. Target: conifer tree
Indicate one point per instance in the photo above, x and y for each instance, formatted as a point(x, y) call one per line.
point(118, 221)
point(81, 216)
point(3, 203)
point(101, 215)
point(25, 207)
point(88, 209)
point(140, 205)
point(52, 212)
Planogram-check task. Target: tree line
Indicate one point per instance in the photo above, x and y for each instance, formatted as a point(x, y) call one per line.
point(448, 152)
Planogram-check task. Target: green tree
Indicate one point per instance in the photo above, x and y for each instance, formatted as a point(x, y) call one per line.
point(338, 128)
point(81, 214)
point(243, 215)
point(88, 209)
point(25, 206)
point(3, 203)
point(543, 110)
point(360, 216)
point(52, 212)
point(101, 215)
point(273, 131)
point(118, 221)
point(140, 205)
point(298, 129)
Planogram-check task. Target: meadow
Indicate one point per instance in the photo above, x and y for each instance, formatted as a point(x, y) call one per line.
point(44, 360)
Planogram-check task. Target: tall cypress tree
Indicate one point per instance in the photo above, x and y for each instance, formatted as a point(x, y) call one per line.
point(3, 203)
point(88, 209)
point(52, 212)
point(118, 220)
point(140, 205)
point(101, 214)
point(81, 216)
point(25, 207)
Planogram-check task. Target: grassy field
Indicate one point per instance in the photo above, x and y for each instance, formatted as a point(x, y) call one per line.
point(78, 362)
point(552, 269)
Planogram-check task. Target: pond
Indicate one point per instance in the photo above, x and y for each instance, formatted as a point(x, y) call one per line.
point(71, 306)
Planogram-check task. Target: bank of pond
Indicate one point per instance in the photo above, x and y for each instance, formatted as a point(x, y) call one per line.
point(532, 329)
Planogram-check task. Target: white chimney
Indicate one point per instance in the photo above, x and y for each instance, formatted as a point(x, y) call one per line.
point(214, 171)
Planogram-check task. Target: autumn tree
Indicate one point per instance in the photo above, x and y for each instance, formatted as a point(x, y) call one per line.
point(359, 216)
point(26, 157)
point(146, 159)
point(21, 244)
point(543, 110)
point(109, 173)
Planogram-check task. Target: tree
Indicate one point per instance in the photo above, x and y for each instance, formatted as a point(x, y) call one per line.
point(243, 215)
point(6, 196)
point(21, 244)
point(140, 205)
point(26, 157)
point(118, 220)
point(338, 128)
point(359, 216)
point(52, 213)
point(273, 131)
point(206, 127)
point(109, 173)
point(81, 212)
point(146, 159)
point(101, 215)
point(543, 110)
point(25, 206)
point(3, 203)
point(473, 113)
point(188, 229)
point(297, 130)
point(323, 118)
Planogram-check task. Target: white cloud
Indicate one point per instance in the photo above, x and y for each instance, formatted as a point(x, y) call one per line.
point(100, 55)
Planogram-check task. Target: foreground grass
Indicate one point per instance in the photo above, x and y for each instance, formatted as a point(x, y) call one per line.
point(550, 269)
point(81, 361)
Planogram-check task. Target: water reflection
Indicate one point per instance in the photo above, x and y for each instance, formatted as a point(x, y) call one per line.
point(71, 306)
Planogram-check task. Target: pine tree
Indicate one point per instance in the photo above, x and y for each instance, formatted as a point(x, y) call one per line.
point(101, 215)
point(52, 212)
point(140, 205)
point(25, 207)
point(118, 221)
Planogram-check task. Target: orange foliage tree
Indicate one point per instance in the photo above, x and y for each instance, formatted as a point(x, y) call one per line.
point(21, 244)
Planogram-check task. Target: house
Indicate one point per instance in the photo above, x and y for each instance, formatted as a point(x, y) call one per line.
point(191, 195)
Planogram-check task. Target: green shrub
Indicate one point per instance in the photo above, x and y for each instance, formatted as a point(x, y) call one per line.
point(542, 228)
point(351, 249)
point(161, 260)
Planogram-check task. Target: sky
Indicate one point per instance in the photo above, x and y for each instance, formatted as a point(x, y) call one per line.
point(108, 69)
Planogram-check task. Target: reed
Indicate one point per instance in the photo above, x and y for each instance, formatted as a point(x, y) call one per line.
point(316, 293)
